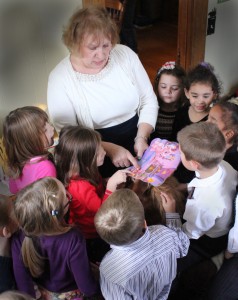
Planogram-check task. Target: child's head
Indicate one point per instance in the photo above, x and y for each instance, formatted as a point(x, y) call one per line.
point(26, 134)
point(14, 295)
point(40, 208)
point(169, 84)
point(203, 144)
point(8, 224)
point(120, 220)
point(78, 154)
point(202, 87)
point(225, 116)
point(150, 197)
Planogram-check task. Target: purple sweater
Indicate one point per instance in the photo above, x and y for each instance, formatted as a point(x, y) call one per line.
point(67, 267)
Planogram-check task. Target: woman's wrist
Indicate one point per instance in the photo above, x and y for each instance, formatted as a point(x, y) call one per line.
point(145, 138)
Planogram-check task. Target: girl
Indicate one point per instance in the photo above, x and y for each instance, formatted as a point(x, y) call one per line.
point(169, 89)
point(78, 156)
point(225, 116)
point(27, 134)
point(47, 251)
point(201, 88)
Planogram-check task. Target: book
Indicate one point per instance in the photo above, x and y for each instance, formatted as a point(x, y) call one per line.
point(158, 162)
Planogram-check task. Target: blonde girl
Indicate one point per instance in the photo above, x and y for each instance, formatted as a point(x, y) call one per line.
point(78, 155)
point(27, 135)
point(46, 250)
point(169, 89)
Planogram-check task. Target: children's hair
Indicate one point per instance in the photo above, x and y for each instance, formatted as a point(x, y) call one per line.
point(24, 136)
point(203, 73)
point(91, 20)
point(76, 154)
point(170, 68)
point(150, 197)
point(40, 209)
point(14, 295)
point(4, 209)
point(120, 219)
point(202, 142)
point(230, 117)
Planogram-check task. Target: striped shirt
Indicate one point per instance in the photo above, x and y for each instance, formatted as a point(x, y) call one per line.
point(145, 269)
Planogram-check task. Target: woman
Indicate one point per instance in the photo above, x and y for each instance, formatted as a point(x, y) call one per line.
point(103, 85)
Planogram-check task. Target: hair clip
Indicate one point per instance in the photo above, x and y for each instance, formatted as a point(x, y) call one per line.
point(169, 65)
point(233, 100)
point(54, 212)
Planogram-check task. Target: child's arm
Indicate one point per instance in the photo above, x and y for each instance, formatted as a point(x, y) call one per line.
point(173, 221)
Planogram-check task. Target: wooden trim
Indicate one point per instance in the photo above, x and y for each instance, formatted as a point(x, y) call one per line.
point(192, 26)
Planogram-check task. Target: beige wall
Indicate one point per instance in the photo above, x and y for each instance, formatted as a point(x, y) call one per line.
point(222, 46)
point(30, 46)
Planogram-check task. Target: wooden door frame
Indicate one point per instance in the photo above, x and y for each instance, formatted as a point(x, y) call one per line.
point(192, 31)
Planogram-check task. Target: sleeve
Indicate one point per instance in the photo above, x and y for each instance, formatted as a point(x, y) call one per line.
point(181, 240)
point(148, 108)
point(23, 278)
point(113, 291)
point(79, 265)
point(60, 107)
point(86, 197)
point(233, 234)
point(198, 221)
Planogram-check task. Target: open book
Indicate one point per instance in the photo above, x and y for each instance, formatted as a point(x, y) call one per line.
point(158, 162)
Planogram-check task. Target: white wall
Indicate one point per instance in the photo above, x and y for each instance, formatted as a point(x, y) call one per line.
point(30, 46)
point(222, 46)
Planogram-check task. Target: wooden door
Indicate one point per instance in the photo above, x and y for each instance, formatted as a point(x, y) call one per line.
point(192, 26)
point(93, 2)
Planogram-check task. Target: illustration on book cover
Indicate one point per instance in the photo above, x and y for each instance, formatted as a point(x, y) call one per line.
point(158, 162)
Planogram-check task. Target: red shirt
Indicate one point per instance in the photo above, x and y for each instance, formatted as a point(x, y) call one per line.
point(85, 203)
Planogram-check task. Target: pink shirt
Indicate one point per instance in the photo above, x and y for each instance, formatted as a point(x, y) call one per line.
point(32, 171)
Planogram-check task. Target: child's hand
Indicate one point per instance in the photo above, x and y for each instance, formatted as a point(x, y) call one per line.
point(168, 203)
point(228, 254)
point(117, 178)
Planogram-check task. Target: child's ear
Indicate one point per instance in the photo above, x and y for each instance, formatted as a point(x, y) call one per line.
point(194, 164)
point(6, 232)
point(229, 134)
point(186, 93)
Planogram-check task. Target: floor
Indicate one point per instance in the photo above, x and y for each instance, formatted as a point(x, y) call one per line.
point(156, 45)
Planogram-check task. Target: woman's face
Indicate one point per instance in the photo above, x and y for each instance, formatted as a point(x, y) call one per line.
point(93, 53)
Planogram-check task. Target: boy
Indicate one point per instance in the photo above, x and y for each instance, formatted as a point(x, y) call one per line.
point(208, 211)
point(142, 262)
point(7, 227)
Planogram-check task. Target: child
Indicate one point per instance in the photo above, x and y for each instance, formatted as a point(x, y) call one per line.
point(27, 134)
point(78, 154)
point(201, 88)
point(151, 199)
point(225, 116)
point(143, 260)
point(14, 295)
point(169, 89)
point(47, 250)
point(7, 227)
point(208, 211)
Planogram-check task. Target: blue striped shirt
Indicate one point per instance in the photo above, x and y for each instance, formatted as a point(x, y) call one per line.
point(145, 269)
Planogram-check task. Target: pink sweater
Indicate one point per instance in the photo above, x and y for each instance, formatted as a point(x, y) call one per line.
point(32, 171)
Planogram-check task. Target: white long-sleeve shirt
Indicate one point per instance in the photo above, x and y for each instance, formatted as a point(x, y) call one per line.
point(209, 211)
point(114, 95)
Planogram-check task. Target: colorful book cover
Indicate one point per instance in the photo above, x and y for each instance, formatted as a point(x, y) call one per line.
point(158, 162)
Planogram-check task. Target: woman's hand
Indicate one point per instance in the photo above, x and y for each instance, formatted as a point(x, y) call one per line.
point(119, 156)
point(228, 254)
point(140, 146)
point(168, 203)
point(116, 179)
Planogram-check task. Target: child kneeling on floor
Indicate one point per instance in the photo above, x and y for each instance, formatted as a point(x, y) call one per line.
point(143, 260)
